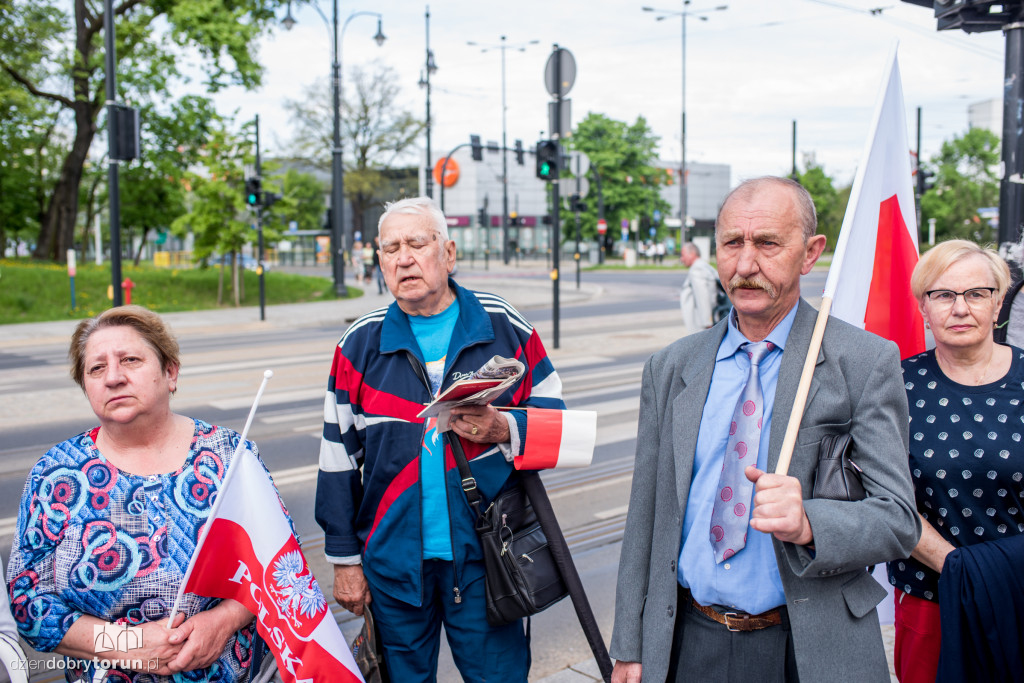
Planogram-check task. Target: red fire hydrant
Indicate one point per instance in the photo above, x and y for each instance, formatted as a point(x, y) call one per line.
point(127, 285)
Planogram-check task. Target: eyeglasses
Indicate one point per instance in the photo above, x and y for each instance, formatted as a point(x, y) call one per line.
point(976, 296)
point(390, 249)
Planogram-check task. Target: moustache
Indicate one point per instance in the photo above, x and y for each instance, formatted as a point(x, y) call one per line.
point(756, 282)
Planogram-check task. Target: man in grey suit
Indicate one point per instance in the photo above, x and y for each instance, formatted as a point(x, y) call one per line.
point(782, 593)
point(697, 298)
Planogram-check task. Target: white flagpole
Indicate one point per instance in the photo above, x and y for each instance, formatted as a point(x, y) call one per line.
point(220, 496)
point(832, 282)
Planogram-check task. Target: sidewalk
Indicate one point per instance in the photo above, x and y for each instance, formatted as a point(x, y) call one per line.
point(524, 287)
point(587, 671)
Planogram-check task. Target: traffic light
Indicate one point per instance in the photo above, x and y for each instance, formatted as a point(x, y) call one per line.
point(547, 159)
point(252, 191)
point(481, 216)
point(520, 154)
point(478, 150)
point(925, 181)
point(269, 199)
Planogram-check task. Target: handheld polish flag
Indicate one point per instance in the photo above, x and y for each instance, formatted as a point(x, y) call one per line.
point(248, 553)
point(558, 439)
point(868, 282)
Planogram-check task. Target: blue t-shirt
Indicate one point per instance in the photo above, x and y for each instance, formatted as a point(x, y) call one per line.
point(433, 334)
point(966, 461)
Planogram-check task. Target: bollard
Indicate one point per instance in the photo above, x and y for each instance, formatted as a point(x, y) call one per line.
point(127, 285)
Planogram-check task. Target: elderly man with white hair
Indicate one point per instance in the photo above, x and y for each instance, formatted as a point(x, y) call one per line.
point(398, 527)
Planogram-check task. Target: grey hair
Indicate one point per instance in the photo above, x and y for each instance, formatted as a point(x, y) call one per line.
point(806, 214)
point(690, 246)
point(417, 206)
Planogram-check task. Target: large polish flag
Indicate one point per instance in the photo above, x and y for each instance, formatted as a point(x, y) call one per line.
point(248, 553)
point(869, 280)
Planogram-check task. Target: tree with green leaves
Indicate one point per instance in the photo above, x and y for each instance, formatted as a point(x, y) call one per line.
point(829, 202)
point(302, 198)
point(375, 133)
point(55, 54)
point(624, 155)
point(31, 139)
point(218, 217)
point(966, 180)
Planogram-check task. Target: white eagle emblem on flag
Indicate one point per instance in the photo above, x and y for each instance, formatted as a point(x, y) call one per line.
point(296, 592)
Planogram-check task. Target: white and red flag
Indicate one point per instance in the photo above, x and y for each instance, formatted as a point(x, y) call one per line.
point(869, 280)
point(558, 438)
point(248, 553)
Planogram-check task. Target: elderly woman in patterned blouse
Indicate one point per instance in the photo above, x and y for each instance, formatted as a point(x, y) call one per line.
point(966, 426)
point(109, 520)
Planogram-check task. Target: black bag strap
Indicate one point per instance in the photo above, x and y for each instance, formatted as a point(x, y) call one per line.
point(465, 474)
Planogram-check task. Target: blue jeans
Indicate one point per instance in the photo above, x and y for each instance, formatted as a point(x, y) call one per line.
point(411, 636)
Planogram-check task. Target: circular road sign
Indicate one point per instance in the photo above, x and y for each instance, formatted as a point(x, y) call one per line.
point(567, 64)
point(451, 172)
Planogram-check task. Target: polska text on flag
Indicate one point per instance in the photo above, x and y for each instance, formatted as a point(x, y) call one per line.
point(251, 555)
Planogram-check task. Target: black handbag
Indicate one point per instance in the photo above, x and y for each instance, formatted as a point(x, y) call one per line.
point(520, 574)
point(837, 477)
point(367, 651)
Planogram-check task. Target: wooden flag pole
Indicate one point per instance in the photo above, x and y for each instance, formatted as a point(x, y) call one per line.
point(239, 449)
point(800, 401)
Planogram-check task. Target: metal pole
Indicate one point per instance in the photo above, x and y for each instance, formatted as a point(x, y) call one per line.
point(429, 169)
point(556, 197)
point(682, 164)
point(794, 174)
point(259, 227)
point(506, 257)
point(600, 215)
point(1011, 190)
point(919, 185)
point(337, 173)
point(576, 211)
point(112, 164)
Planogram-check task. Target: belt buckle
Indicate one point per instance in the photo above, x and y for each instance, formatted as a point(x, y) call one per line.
point(743, 619)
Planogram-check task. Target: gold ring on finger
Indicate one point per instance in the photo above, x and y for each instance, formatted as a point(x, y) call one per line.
point(474, 430)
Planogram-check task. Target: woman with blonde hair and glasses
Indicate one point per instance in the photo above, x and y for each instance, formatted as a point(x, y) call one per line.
point(966, 425)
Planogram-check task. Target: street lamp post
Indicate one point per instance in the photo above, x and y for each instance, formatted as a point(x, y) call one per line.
point(430, 67)
point(702, 15)
point(521, 47)
point(337, 165)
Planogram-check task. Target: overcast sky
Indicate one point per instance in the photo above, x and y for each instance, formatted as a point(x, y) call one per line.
point(751, 69)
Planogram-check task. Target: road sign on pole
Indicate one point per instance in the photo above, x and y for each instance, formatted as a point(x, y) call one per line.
point(560, 72)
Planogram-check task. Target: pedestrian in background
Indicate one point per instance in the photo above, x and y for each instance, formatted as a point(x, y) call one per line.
point(398, 528)
point(700, 290)
point(966, 420)
point(376, 265)
point(368, 262)
point(358, 270)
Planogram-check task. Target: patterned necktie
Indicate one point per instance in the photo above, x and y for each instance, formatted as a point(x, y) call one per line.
point(731, 512)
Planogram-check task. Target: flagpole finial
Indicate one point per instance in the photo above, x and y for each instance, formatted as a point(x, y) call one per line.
point(267, 374)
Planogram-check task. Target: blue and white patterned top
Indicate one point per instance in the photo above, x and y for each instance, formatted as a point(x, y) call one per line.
point(92, 539)
point(966, 459)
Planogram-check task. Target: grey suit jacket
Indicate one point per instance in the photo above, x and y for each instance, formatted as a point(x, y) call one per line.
point(857, 388)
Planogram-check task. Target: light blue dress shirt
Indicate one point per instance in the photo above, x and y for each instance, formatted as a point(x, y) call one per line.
point(749, 580)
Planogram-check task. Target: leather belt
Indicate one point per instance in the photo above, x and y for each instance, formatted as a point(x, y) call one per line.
point(741, 621)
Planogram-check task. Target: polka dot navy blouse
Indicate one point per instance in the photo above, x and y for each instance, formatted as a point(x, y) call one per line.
point(966, 459)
